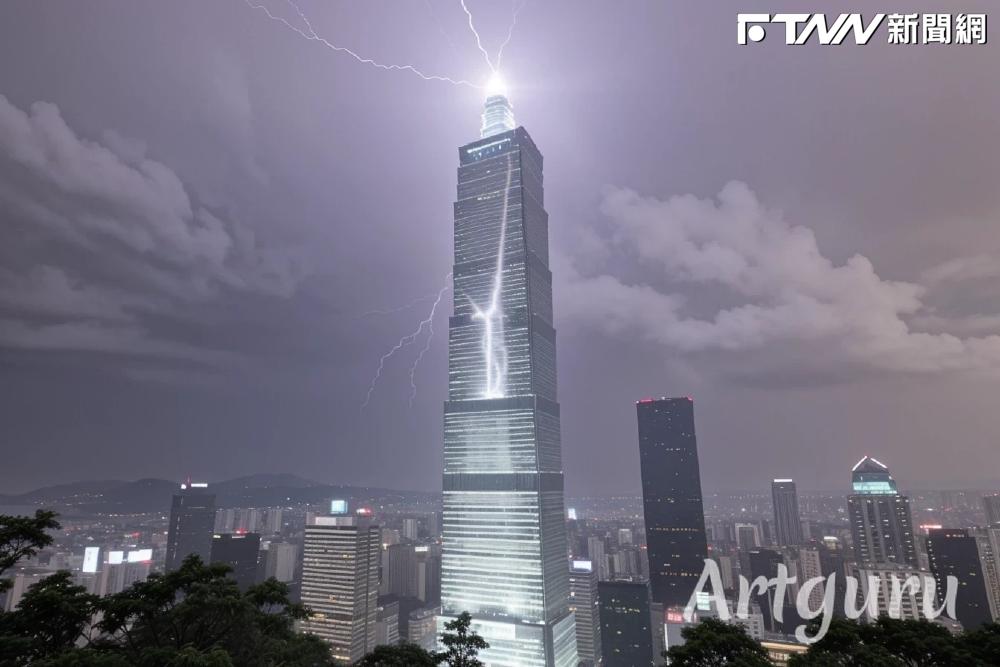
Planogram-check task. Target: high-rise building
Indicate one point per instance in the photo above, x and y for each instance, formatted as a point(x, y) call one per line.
point(890, 578)
point(116, 577)
point(598, 557)
point(988, 543)
point(241, 552)
point(952, 552)
point(410, 529)
point(586, 609)
point(626, 636)
point(748, 536)
point(192, 520)
point(422, 628)
point(280, 560)
point(671, 498)
point(881, 523)
point(387, 622)
point(787, 523)
point(991, 507)
point(399, 571)
point(340, 561)
point(504, 533)
point(764, 563)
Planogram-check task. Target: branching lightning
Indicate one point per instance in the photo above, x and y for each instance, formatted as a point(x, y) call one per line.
point(311, 35)
point(397, 309)
point(494, 347)
point(510, 31)
point(426, 323)
point(479, 41)
point(427, 343)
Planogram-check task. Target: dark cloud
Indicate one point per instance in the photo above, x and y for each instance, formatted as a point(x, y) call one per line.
point(114, 207)
point(788, 291)
point(197, 206)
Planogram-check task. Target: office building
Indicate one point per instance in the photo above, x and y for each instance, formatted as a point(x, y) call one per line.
point(907, 604)
point(626, 635)
point(387, 622)
point(241, 552)
point(991, 507)
point(422, 628)
point(504, 533)
point(671, 498)
point(988, 544)
point(583, 602)
point(952, 552)
point(192, 520)
point(340, 563)
point(280, 561)
point(787, 523)
point(881, 524)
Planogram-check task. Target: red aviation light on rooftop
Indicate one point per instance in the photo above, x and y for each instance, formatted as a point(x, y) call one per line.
point(645, 400)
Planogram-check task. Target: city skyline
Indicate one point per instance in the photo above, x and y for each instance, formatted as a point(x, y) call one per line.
point(196, 283)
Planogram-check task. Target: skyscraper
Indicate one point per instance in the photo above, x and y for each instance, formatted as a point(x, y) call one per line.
point(340, 559)
point(192, 520)
point(787, 523)
point(586, 610)
point(280, 560)
point(240, 551)
point(953, 553)
point(671, 498)
point(626, 637)
point(504, 533)
point(881, 524)
point(991, 507)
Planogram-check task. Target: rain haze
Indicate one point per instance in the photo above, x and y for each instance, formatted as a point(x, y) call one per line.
point(214, 225)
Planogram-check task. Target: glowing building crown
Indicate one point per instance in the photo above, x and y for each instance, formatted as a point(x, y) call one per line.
point(498, 116)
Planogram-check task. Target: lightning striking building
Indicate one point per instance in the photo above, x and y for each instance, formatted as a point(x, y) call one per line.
point(503, 537)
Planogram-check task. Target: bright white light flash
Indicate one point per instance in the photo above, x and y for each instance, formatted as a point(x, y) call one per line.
point(496, 86)
point(493, 344)
point(311, 35)
point(409, 339)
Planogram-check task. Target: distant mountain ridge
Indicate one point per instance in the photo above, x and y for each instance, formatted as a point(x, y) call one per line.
point(154, 495)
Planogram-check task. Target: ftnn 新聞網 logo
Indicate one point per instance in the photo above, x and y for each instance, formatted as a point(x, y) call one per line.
point(900, 28)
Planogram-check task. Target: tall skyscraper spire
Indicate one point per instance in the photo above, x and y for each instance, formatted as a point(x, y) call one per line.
point(504, 528)
point(498, 116)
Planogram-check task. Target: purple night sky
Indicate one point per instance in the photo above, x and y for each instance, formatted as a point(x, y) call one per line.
point(200, 209)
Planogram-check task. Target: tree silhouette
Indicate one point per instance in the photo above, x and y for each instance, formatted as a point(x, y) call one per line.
point(462, 644)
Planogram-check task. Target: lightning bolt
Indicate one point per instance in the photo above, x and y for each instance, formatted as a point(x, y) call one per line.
point(397, 309)
point(479, 42)
point(311, 35)
point(427, 343)
point(510, 32)
point(492, 316)
point(426, 323)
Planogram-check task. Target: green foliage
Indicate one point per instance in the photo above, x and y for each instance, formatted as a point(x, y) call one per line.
point(713, 643)
point(403, 655)
point(899, 643)
point(461, 643)
point(51, 617)
point(22, 537)
point(195, 616)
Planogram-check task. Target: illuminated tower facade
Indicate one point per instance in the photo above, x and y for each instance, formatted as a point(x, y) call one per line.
point(881, 522)
point(504, 529)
